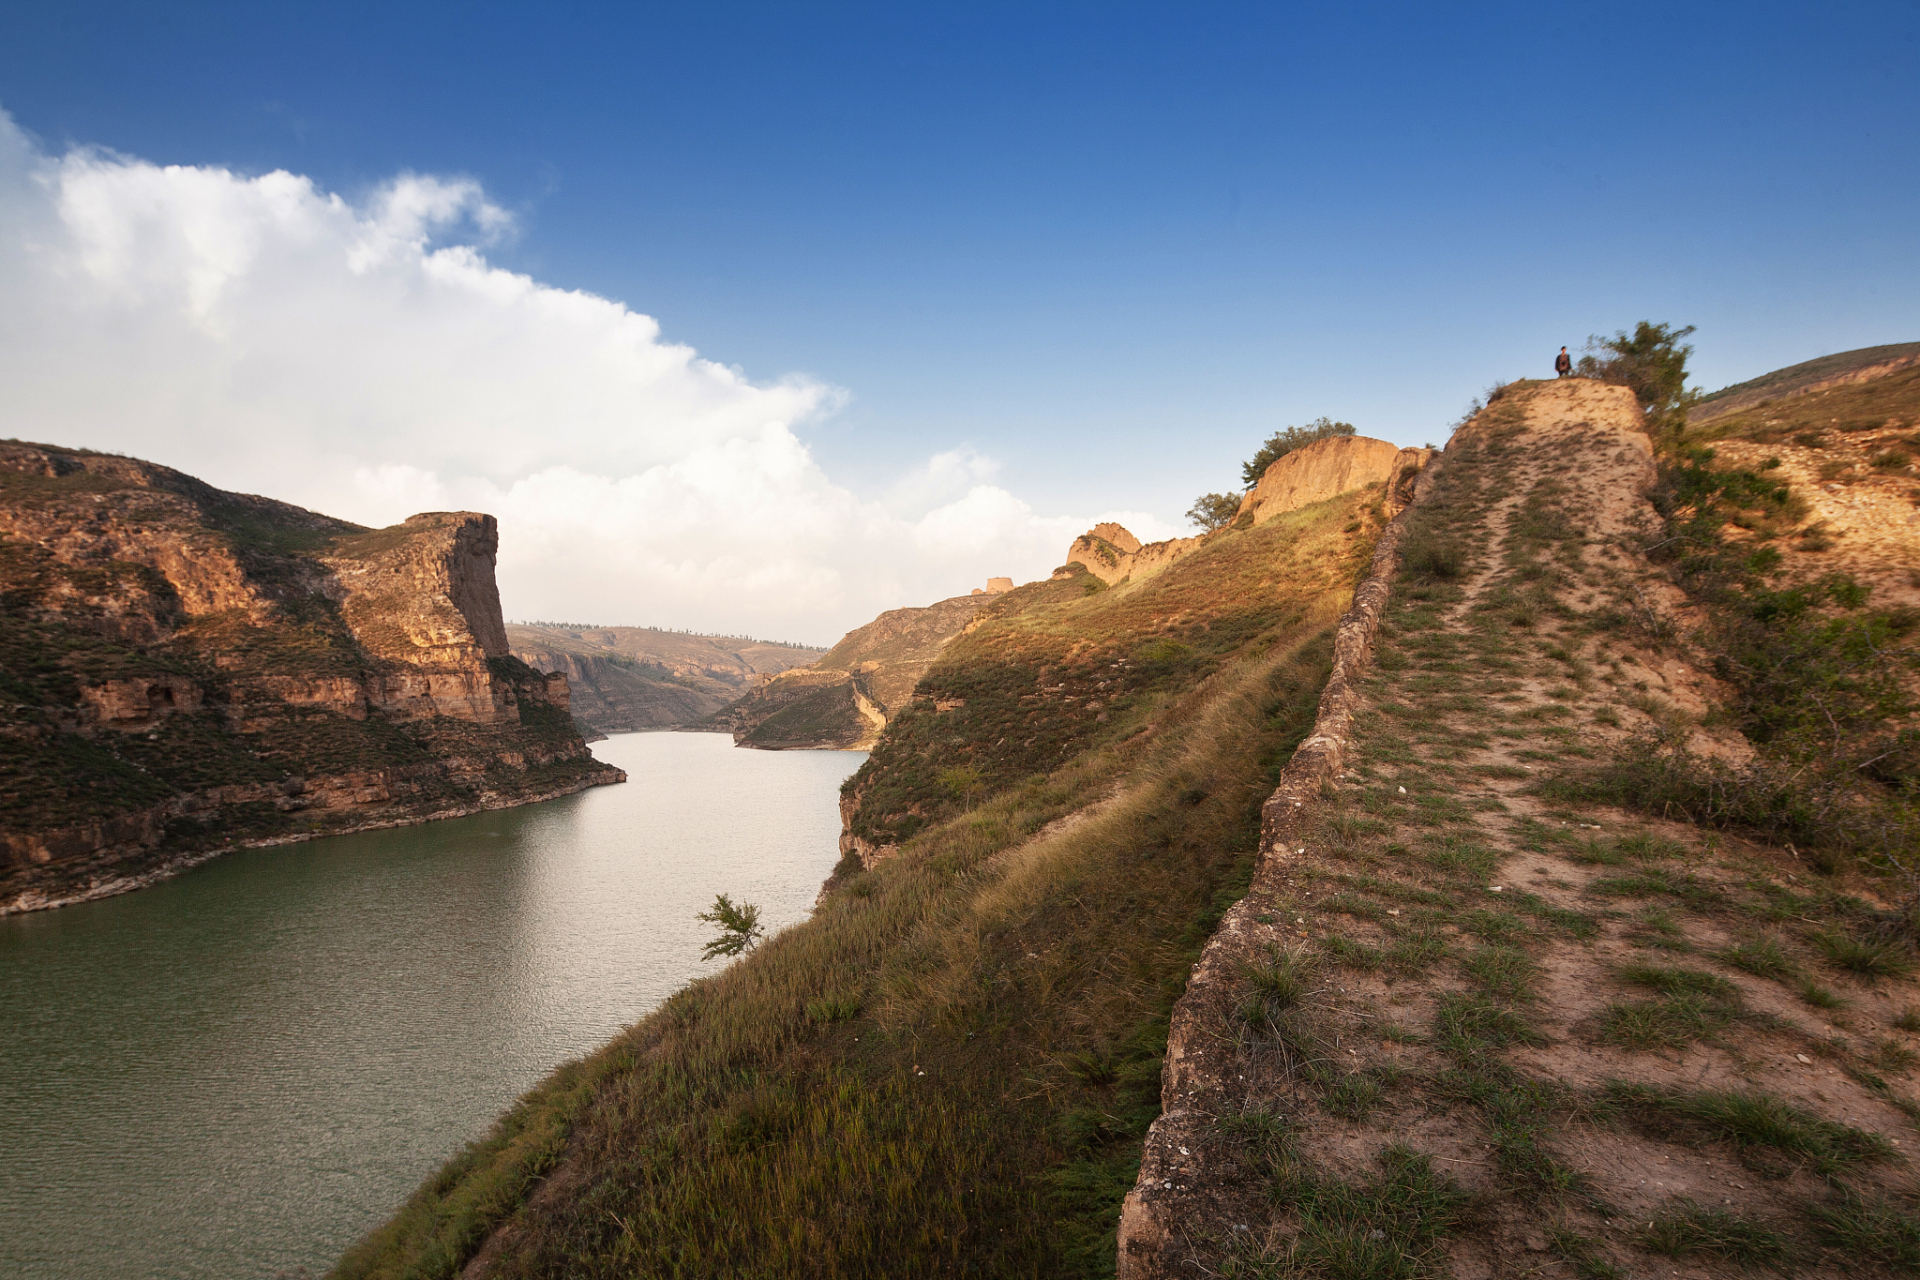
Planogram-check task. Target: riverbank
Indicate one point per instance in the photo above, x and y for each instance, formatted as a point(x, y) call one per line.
point(186, 860)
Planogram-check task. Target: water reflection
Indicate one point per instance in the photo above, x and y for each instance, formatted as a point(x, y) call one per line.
point(238, 1071)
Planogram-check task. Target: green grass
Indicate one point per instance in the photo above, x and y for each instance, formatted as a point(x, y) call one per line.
point(1861, 956)
point(1761, 957)
point(950, 1070)
point(1684, 1229)
point(1279, 983)
point(1869, 1232)
point(1469, 1025)
point(1770, 1133)
point(1672, 1023)
point(1389, 1225)
point(1502, 971)
point(1582, 1254)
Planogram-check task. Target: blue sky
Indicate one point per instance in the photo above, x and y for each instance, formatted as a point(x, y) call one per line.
point(1108, 247)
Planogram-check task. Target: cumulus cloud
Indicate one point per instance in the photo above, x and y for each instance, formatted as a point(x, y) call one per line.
point(364, 358)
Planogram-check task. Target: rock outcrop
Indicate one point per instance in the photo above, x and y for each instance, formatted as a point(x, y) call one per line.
point(1325, 469)
point(189, 670)
point(845, 699)
point(1322, 470)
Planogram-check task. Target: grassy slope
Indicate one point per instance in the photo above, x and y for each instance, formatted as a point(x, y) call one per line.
point(949, 1068)
point(1783, 382)
point(1505, 1026)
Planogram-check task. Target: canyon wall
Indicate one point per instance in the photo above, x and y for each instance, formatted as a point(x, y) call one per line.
point(188, 670)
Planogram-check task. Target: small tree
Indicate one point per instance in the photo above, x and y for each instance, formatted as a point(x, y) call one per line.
point(960, 781)
point(1652, 362)
point(1282, 443)
point(1213, 510)
point(739, 927)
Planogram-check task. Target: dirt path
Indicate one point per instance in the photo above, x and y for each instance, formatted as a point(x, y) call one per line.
point(1460, 1023)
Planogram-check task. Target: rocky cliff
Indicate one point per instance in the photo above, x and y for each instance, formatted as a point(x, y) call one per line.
point(845, 699)
point(1320, 471)
point(633, 678)
point(188, 670)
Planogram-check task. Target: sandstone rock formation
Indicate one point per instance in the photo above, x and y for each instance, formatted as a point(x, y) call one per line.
point(626, 679)
point(189, 670)
point(1325, 468)
point(1322, 470)
point(846, 698)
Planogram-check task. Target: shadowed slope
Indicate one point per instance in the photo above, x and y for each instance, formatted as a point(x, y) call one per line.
point(948, 1069)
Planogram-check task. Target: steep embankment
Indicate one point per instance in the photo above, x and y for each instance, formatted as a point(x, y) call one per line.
point(625, 679)
point(949, 1067)
point(1468, 1021)
point(845, 699)
point(187, 670)
point(1850, 452)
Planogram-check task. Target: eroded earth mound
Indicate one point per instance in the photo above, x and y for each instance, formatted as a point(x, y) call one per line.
point(1470, 1019)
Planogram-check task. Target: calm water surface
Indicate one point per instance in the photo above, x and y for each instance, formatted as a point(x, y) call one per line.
point(237, 1072)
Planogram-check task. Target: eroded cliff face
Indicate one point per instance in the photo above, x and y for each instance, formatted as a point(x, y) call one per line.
point(1320, 471)
point(187, 670)
point(845, 699)
point(1325, 468)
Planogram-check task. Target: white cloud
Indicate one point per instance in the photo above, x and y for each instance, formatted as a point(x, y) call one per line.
point(365, 359)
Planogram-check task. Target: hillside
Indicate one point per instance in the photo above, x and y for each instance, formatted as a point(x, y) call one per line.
point(949, 1067)
point(1850, 454)
point(846, 698)
point(1516, 989)
point(1504, 866)
point(625, 679)
point(1842, 369)
point(187, 670)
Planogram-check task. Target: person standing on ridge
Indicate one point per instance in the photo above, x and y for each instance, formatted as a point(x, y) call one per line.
point(1563, 364)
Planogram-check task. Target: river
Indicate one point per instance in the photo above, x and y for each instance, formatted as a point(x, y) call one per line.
point(237, 1072)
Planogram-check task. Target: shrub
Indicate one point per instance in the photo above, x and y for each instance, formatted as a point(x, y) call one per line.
point(1652, 362)
point(739, 926)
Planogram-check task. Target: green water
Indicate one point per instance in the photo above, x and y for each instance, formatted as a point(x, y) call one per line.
point(237, 1072)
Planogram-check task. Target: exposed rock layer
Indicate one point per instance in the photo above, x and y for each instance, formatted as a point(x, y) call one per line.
point(189, 670)
point(846, 698)
point(1319, 471)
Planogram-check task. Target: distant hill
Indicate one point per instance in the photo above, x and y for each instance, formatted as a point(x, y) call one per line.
point(632, 678)
point(1846, 367)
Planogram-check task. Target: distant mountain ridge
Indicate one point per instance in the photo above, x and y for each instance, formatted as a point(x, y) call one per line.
point(625, 679)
